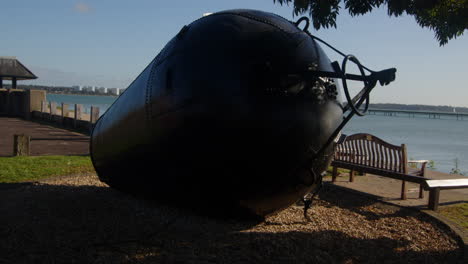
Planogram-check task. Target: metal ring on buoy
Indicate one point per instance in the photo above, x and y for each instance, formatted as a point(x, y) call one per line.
point(306, 19)
point(345, 85)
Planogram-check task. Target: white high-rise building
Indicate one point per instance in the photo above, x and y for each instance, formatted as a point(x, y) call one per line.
point(88, 88)
point(77, 87)
point(113, 91)
point(101, 90)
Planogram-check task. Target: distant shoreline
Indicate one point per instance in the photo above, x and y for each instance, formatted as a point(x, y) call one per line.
point(418, 107)
point(386, 106)
point(82, 94)
point(377, 106)
point(67, 90)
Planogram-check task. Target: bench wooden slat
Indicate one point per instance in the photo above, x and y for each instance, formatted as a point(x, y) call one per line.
point(397, 165)
point(369, 151)
point(374, 162)
point(365, 157)
point(389, 158)
point(354, 150)
point(351, 155)
point(359, 148)
point(362, 158)
point(385, 157)
point(346, 146)
point(381, 156)
point(402, 162)
point(355, 147)
point(393, 162)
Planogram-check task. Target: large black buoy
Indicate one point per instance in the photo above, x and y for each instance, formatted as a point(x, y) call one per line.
point(225, 119)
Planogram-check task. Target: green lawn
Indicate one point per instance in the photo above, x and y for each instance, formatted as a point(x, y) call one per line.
point(457, 213)
point(340, 171)
point(20, 169)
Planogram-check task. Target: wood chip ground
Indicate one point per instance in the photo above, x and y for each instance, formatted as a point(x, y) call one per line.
point(80, 220)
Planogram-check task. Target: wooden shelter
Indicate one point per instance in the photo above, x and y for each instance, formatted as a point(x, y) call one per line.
point(12, 69)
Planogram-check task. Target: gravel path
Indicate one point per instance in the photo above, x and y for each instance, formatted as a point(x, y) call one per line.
point(78, 219)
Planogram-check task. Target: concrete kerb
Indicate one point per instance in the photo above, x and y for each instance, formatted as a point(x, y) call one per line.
point(461, 233)
point(440, 219)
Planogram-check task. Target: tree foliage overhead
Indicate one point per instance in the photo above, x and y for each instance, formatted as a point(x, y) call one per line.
point(447, 18)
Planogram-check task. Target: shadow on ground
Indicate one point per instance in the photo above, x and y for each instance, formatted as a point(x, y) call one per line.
point(89, 224)
point(359, 203)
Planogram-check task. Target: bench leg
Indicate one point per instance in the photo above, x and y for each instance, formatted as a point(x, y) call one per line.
point(403, 190)
point(421, 191)
point(334, 174)
point(351, 175)
point(434, 199)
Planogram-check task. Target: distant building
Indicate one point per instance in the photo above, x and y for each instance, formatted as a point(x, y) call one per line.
point(101, 90)
point(89, 89)
point(113, 91)
point(78, 88)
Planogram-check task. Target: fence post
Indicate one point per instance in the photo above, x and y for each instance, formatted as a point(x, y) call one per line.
point(64, 113)
point(44, 109)
point(21, 145)
point(65, 110)
point(93, 118)
point(78, 112)
point(94, 114)
point(53, 109)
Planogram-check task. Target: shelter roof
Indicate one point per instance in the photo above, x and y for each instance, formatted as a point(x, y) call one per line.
point(11, 68)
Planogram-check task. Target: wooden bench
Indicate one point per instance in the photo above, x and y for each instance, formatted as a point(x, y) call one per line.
point(369, 154)
point(434, 187)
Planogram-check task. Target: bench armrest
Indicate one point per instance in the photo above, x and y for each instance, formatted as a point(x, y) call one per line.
point(418, 161)
point(422, 171)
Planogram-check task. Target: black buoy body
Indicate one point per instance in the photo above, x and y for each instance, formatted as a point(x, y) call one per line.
point(221, 119)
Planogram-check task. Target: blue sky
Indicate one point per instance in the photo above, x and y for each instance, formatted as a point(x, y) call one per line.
point(109, 42)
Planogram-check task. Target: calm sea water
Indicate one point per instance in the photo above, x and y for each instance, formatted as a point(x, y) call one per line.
point(440, 140)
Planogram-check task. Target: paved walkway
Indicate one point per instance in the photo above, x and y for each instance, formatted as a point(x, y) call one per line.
point(389, 189)
point(45, 139)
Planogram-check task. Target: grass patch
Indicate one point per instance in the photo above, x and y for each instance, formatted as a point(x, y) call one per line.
point(27, 168)
point(457, 213)
point(340, 171)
